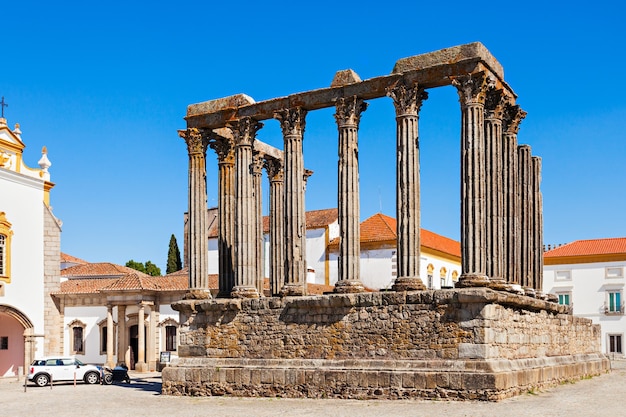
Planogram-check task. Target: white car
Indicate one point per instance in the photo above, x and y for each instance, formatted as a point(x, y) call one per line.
point(62, 368)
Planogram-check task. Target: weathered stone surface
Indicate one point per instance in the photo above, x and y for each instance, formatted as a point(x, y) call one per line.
point(468, 52)
point(466, 343)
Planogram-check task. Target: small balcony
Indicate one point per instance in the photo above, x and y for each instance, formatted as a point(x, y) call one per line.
point(613, 310)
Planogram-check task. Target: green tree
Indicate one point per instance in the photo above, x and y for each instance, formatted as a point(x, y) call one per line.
point(147, 268)
point(173, 257)
point(152, 269)
point(136, 265)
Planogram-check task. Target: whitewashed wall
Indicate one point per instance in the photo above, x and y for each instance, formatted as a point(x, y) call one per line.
point(589, 285)
point(24, 210)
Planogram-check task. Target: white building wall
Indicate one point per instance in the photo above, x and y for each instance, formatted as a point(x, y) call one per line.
point(588, 286)
point(90, 316)
point(24, 210)
point(378, 269)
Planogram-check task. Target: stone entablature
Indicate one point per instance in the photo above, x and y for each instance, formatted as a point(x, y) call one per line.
point(462, 343)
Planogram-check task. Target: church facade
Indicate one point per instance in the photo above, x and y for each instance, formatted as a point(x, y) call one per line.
point(30, 320)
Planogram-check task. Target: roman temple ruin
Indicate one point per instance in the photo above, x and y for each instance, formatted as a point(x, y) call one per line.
point(493, 336)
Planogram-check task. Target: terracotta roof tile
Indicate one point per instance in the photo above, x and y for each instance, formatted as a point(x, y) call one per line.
point(610, 246)
point(382, 228)
point(72, 259)
point(84, 285)
point(100, 269)
point(315, 219)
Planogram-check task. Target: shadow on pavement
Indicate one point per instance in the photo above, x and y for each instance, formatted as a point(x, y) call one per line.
point(139, 384)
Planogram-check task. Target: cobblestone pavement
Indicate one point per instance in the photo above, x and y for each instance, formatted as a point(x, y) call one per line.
point(589, 397)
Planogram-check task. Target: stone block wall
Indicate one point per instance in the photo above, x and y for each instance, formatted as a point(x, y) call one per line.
point(445, 324)
point(473, 343)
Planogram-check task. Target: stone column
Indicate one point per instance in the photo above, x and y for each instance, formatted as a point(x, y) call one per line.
point(225, 150)
point(471, 89)
point(244, 133)
point(494, 178)
point(537, 225)
point(292, 122)
point(151, 354)
point(198, 232)
point(408, 102)
point(524, 183)
point(110, 337)
point(347, 117)
point(257, 178)
point(275, 173)
point(512, 117)
point(140, 365)
point(121, 334)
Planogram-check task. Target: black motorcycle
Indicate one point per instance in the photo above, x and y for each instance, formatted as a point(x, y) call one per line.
point(117, 374)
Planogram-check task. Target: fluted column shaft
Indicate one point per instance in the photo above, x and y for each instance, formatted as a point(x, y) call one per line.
point(513, 116)
point(277, 219)
point(494, 178)
point(347, 116)
point(408, 101)
point(471, 91)
point(525, 189)
point(292, 123)
point(257, 179)
point(225, 150)
point(537, 225)
point(197, 220)
point(110, 336)
point(244, 133)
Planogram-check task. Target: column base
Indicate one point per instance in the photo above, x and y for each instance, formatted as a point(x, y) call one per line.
point(472, 279)
point(408, 284)
point(141, 367)
point(530, 292)
point(498, 284)
point(244, 292)
point(197, 294)
point(292, 290)
point(349, 286)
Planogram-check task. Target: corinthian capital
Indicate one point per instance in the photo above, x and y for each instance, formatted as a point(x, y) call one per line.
point(291, 120)
point(195, 140)
point(472, 88)
point(349, 110)
point(512, 117)
point(274, 168)
point(407, 100)
point(494, 102)
point(244, 130)
point(223, 147)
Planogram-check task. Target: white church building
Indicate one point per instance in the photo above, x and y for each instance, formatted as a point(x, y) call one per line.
point(29, 257)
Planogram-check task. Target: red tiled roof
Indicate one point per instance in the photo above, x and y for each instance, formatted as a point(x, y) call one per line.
point(84, 285)
point(382, 228)
point(72, 259)
point(591, 247)
point(315, 219)
point(100, 269)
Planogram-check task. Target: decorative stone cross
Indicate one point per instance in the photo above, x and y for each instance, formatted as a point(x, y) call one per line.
point(3, 105)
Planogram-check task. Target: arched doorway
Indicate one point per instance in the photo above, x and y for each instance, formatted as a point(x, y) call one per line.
point(15, 330)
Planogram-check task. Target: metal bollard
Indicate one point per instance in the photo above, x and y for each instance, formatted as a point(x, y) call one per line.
point(25, 382)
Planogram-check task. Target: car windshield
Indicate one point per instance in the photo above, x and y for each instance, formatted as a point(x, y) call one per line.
point(79, 363)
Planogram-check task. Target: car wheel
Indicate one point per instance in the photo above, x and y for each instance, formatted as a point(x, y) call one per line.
point(42, 380)
point(92, 378)
point(108, 379)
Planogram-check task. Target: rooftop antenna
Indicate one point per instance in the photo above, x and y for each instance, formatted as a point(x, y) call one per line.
point(3, 105)
point(380, 200)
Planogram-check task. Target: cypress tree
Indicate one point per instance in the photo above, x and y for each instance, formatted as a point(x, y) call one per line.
point(173, 257)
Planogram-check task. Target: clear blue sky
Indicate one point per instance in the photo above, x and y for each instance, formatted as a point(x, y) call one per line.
point(105, 86)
